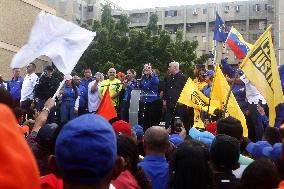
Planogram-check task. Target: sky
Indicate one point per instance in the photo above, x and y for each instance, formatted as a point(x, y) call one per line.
point(141, 4)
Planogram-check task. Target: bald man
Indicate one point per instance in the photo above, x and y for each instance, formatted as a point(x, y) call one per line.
point(155, 165)
point(114, 84)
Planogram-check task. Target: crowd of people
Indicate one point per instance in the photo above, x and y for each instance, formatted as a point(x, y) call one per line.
point(62, 143)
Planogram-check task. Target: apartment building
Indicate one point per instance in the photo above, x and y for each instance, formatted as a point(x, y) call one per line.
point(251, 18)
point(82, 11)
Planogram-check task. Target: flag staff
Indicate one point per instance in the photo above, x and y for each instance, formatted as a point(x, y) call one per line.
point(58, 89)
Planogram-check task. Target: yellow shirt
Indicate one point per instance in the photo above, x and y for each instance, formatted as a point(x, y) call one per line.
point(115, 86)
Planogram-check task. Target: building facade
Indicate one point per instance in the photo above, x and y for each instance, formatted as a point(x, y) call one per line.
point(16, 20)
point(82, 11)
point(250, 18)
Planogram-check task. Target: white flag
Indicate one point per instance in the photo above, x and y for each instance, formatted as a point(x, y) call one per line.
point(63, 42)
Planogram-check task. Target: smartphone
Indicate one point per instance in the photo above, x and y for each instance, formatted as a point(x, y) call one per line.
point(177, 126)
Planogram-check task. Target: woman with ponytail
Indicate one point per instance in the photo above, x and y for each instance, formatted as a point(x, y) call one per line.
point(133, 177)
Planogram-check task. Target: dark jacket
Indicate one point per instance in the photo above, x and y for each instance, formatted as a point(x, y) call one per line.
point(46, 87)
point(173, 87)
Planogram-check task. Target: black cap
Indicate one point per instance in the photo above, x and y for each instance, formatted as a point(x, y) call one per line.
point(46, 136)
point(225, 151)
point(48, 68)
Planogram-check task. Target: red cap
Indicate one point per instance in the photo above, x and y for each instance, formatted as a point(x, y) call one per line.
point(120, 74)
point(122, 127)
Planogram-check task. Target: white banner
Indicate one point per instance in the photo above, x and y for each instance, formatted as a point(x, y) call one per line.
point(63, 42)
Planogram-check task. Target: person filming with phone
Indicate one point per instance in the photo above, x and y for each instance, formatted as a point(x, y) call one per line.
point(150, 99)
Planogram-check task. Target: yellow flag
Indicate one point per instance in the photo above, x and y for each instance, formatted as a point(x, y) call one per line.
point(220, 91)
point(192, 97)
point(197, 119)
point(261, 70)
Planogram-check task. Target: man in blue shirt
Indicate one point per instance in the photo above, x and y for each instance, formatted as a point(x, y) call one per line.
point(87, 78)
point(155, 165)
point(83, 93)
point(15, 85)
point(85, 83)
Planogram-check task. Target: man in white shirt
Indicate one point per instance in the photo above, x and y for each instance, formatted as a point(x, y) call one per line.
point(94, 97)
point(254, 98)
point(27, 92)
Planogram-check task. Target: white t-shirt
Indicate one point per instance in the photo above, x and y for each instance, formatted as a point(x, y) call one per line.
point(252, 94)
point(93, 98)
point(29, 83)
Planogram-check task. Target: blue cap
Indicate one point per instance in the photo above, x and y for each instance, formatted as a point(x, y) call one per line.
point(86, 149)
point(256, 149)
point(240, 72)
point(273, 152)
point(138, 130)
point(175, 139)
point(204, 137)
point(210, 73)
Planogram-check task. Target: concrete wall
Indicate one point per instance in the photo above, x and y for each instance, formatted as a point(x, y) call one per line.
point(16, 19)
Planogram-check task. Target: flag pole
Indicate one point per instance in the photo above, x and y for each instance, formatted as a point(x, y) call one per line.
point(228, 97)
point(59, 88)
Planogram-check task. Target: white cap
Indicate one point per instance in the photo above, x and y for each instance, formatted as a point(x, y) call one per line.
point(68, 77)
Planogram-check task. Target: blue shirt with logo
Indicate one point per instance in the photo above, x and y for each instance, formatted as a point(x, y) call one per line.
point(150, 88)
point(69, 94)
point(15, 86)
point(131, 85)
point(83, 93)
point(85, 82)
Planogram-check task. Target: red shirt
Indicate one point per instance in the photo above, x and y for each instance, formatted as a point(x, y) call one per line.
point(50, 181)
point(125, 181)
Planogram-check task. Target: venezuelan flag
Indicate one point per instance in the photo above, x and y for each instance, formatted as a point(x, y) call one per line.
point(237, 43)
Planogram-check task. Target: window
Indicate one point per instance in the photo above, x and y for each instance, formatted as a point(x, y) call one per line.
point(195, 12)
point(254, 37)
point(262, 25)
point(204, 39)
point(237, 8)
point(266, 6)
point(171, 13)
point(256, 7)
point(227, 8)
point(205, 11)
point(194, 38)
point(90, 8)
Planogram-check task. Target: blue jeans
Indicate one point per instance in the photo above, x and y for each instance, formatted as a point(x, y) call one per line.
point(67, 111)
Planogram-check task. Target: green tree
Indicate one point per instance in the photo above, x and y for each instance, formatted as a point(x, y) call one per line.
point(115, 45)
point(152, 27)
point(107, 20)
point(122, 24)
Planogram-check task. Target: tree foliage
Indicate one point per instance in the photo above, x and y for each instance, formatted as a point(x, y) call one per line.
point(115, 45)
